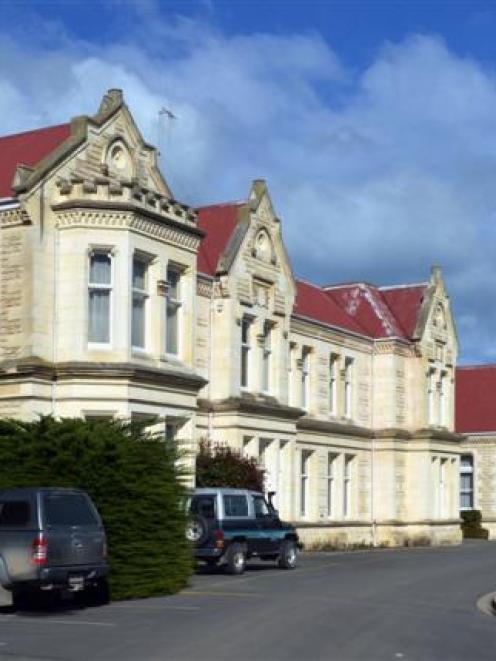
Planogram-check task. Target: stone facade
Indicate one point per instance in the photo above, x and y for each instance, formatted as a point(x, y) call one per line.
point(355, 431)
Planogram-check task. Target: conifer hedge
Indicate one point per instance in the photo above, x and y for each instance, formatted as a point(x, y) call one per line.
point(134, 480)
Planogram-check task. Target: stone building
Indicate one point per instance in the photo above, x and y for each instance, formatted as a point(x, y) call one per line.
point(118, 300)
point(476, 417)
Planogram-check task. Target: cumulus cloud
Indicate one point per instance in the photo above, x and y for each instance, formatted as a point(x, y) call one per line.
point(377, 174)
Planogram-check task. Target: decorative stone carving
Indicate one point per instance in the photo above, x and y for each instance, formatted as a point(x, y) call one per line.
point(127, 221)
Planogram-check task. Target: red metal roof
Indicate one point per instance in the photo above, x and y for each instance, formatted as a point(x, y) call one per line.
point(405, 303)
point(313, 302)
point(366, 305)
point(475, 401)
point(358, 307)
point(218, 222)
point(27, 149)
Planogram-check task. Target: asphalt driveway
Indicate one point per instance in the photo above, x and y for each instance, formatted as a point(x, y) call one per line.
point(404, 604)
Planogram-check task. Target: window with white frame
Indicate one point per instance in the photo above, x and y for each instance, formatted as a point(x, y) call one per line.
point(333, 382)
point(330, 483)
point(246, 326)
point(304, 482)
point(173, 310)
point(431, 389)
point(139, 304)
point(305, 378)
point(347, 484)
point(348, 387)
point(466, 482)
point(266, 355)
point(99, 297)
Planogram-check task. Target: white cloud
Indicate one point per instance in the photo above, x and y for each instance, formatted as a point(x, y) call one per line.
point(376, 175)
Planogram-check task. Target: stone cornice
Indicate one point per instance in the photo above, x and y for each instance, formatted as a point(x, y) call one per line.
point(43, 370)
point(127, 217)
point(267, 406)
point(13, 218)
point(307, 423)
point(438, 435)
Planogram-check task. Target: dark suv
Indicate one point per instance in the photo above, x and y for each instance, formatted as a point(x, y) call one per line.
point(51, 540)
point(229, 526)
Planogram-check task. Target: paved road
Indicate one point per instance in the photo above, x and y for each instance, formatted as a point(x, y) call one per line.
point(407, 604)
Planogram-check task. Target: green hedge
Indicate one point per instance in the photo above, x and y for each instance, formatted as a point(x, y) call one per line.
point(132, 477)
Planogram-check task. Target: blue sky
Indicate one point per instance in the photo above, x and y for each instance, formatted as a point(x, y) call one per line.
point(373, 122)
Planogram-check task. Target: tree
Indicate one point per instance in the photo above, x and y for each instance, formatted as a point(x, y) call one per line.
point(134, 480)
point(221, 466)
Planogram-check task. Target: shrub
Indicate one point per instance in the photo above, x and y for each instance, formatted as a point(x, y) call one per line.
point(221, 466)
point(133, 479)
point(471, 525)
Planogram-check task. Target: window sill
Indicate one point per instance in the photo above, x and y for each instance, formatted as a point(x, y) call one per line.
point(140, 353)
point(97, 346)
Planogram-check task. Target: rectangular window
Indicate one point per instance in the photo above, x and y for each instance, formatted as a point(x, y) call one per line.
point(235, 506)
point(466, 482)
point(333, 368)
point(245, 351)
point(347, 485)
point(14, 513)
point(330, 479)
point(99, 297)
point(173, 311)
point(304, 490)
point(68, 510)
point(266, 356)
point(430, 396)
point(348, 387)
point(140, 296)
point(442, 399)
point(305, 378)
point(442, 488)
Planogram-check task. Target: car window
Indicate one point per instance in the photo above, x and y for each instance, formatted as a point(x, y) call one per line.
point(68, 510)
point(203, 506)
point(15, 512)
point(235, 506)
point(260, 506)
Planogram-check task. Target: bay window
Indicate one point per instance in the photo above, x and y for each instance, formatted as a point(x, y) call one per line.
point(99, 297)
point(139, 302)
point(173, 310)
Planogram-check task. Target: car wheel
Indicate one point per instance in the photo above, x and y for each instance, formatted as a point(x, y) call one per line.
point(98, 594)
point(288, 555)
point(196, 530)
point(236, 559)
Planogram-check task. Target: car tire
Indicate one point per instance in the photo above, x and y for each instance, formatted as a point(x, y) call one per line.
point(236, 559)
point(196, 530)
point(98, 594)
point(288, 555)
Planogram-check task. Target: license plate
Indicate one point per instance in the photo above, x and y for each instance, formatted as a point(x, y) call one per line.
point(76, 583)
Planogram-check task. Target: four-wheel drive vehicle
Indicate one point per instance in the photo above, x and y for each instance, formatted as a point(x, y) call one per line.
point(51, 540)
point(228, 526)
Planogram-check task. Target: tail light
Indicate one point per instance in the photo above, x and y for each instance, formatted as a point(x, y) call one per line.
point(39, 550)
point(219, 539)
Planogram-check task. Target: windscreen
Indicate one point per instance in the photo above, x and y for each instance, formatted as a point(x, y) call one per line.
point(68, 510)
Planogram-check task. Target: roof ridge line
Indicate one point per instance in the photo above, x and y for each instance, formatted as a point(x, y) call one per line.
point(222, 204)
point(42, 128)
point(407, 286)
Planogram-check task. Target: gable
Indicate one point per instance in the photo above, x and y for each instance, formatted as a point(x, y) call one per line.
point(107, 147)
